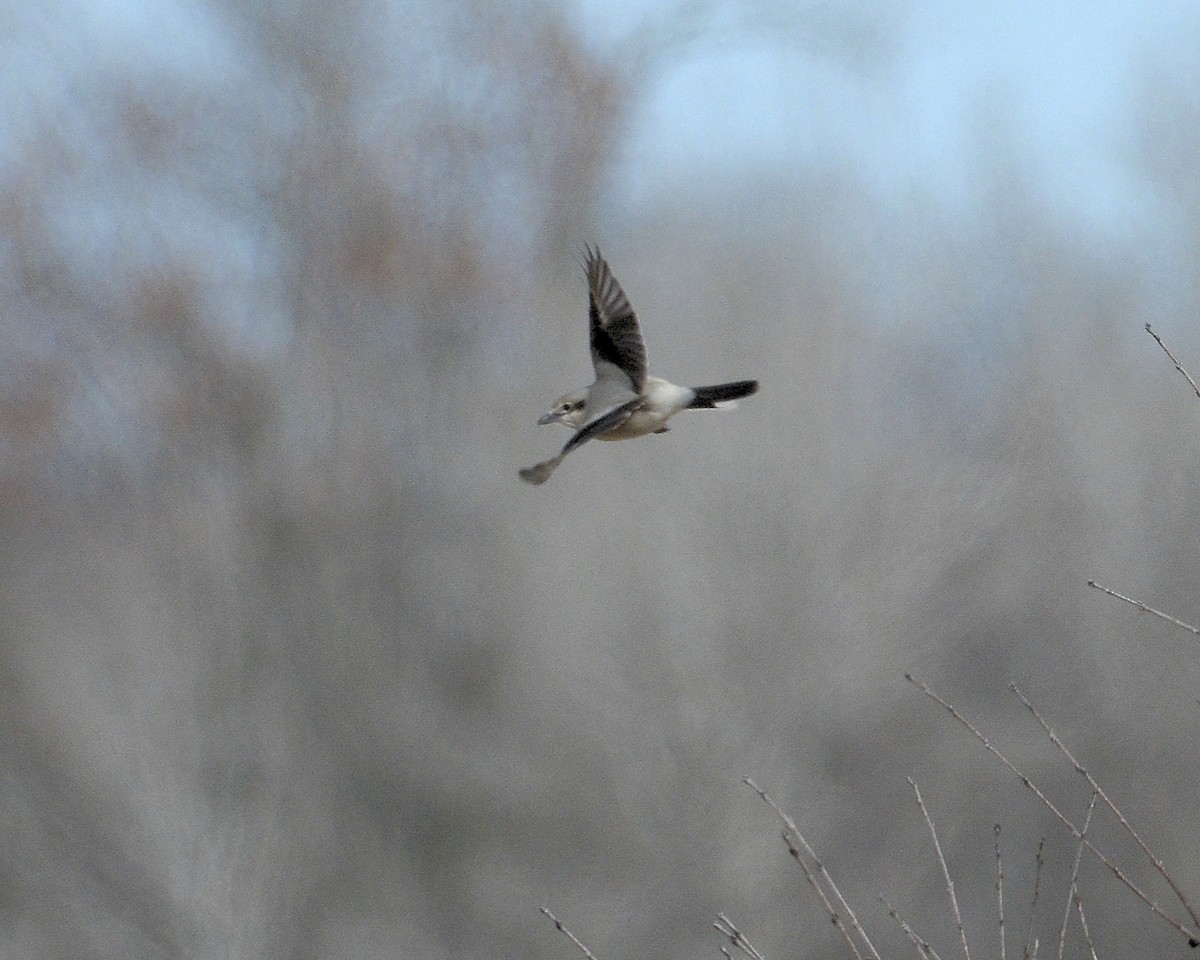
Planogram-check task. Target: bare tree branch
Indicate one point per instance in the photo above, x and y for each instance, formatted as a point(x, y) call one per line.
point(1178, 365)
point(1098, 791)
point(574, 939)
point(1000, 891)
point(937, 846)
point(1145, 609)
point(1062, 931)
point(736, 937)
point(1030, 950)
point(826, 878)
point(922, 945)
point(1191, 934)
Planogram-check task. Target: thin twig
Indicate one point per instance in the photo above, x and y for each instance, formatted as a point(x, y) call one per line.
point(962, 935)
point(574, 939)
point(1144, 608)
point(1192, 935)
point(834, 916)
point(723, 925)
point(1087, 934)
point(1178, 365)
point(1000, 891)
point(1039, 862)
point(1125, 824)
point(791, 830)
point(1062, 931)
point(922, 945)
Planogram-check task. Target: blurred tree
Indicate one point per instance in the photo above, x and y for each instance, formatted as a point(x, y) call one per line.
point(292, 664)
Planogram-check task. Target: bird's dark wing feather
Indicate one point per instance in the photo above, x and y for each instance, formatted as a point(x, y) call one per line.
point(617, 345)
point(539, 473)
point(603, 423)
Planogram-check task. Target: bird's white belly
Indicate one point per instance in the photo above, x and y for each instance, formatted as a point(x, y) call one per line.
point(663, 401)
point(638, 425)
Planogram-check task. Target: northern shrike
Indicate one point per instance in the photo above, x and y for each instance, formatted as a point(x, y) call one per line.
point(623, 402)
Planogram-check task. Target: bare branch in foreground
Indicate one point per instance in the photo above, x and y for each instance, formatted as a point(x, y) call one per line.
point(937, 846)
point(791, 830)
point(724, 926)
point(1087, 934)
point(1178, 365)
point(1039, 863)
point(926, 950)
point(574, 939)
point(1145, 609)
point(1192, 935)
point(1071, 889)
point(1000, 891)
point(1096, 789)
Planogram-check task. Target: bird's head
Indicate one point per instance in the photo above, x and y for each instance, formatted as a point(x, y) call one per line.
point(567, 410)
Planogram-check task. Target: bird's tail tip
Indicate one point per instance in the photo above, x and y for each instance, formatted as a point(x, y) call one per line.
point(722, 395)
point(539, 473)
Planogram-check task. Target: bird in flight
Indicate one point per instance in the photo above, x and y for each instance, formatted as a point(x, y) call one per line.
point(623, 402)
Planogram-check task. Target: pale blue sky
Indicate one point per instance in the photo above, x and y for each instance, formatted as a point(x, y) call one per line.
point(918, 101)
point(771, 86)
point(1055, 86)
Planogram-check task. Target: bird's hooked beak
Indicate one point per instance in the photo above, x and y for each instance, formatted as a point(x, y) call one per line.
point(550, 416)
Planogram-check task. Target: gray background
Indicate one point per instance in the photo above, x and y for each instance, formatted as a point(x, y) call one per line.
point(293, 665)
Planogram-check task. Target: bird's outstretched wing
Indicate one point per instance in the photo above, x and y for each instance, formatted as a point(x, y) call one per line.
point(618, 350)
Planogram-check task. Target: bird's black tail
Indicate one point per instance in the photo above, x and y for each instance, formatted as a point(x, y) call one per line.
point(708, 398)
